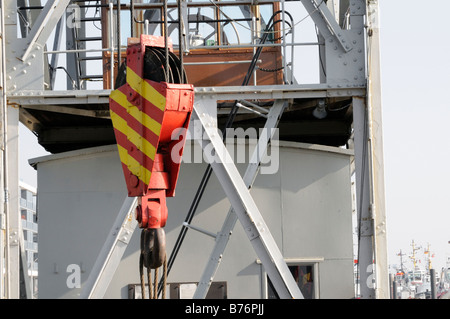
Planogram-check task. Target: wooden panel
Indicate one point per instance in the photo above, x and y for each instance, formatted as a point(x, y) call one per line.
point(232, 74)
point(220, 74)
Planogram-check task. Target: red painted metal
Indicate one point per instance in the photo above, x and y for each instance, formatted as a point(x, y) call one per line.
point(152, 209)
point(174, 119)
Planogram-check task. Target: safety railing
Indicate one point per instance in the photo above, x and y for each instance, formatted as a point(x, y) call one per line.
point(233, 25)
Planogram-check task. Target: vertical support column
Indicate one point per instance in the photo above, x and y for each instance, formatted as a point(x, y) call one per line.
point(13, 224)
point(367, 120)
point(363, 200)
point(72, 65)
point(10, 172)
point(376, 138)
point(2, 151)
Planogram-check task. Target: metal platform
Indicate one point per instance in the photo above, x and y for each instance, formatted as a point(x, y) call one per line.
point(70, 120)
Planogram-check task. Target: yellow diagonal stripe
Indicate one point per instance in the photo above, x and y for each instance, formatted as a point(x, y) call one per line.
point(141, 143)
point(145, 90)
point(143, 118)
point(135, 168)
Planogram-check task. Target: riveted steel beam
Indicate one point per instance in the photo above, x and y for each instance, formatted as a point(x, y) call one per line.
point(44, 25)
point(327, 23)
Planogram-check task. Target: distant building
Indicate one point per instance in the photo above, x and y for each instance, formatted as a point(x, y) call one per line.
point(28, 196)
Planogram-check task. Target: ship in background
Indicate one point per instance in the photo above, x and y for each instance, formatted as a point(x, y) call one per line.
point(413, 277)
point(444, 280)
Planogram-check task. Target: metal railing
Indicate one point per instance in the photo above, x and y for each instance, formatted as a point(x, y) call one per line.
point(114, 34)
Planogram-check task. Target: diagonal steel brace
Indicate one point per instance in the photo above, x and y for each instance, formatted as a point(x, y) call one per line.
point(326, 22)
point(44, 25)
point(243, 204)
point(112, 251)
point(250, 174)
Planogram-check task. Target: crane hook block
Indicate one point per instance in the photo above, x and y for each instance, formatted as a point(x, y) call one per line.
point(150, 117)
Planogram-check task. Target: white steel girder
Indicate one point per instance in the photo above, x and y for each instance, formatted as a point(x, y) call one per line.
point(326, 22)
point(112, 251)
point(376, 155)
point(249, 176)
point(43, 27)
point(11, 227)
point(370, 203)
point(25, 56)
point(245, 208)
point(13, 50)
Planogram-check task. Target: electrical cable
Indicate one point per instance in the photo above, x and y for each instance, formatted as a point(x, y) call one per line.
point(74, 84)
point(320, 55)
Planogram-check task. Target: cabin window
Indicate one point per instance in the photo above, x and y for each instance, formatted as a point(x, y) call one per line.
point(306, 277)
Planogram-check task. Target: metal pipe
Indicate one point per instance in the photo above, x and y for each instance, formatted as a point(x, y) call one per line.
point(255, 106)
point(181, 35)
point(283, 23)
point(254, 37)
point(208, 233)
point(111, 42)
point(139, 6)
point(119, 40)
point(5, 158)
point(196, 47)
point(146, 22)
point(245, 46)
point(75, 51)
point(292, 53)
point(202, 21)
point(433, 283)
point(166, 42)
point(220, 62)
point(251, 110)
point(131, 17)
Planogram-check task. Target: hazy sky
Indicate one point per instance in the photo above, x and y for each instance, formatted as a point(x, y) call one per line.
point(416, 114)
